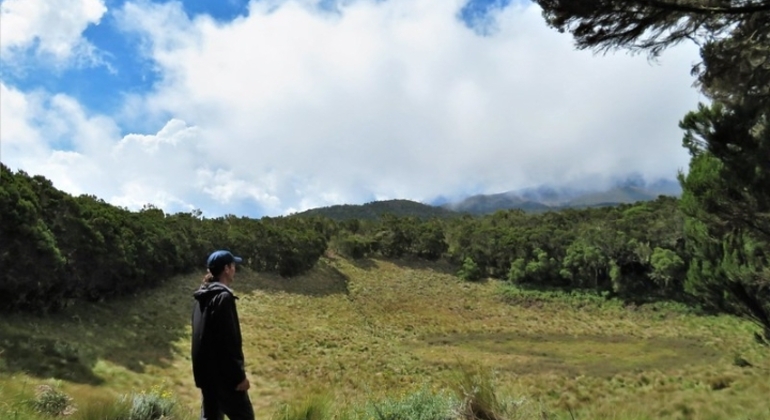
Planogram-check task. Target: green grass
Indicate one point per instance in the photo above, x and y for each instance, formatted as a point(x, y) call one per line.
point(402, 334)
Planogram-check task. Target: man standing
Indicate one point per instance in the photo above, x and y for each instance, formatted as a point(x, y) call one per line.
point(217, 348)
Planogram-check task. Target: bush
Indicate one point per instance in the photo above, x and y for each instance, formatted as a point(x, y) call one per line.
point(315, 407)
point(153, 405)
point(51, 401)
point(353, 245)
point(420, 405)
point(470, 270)
point(105, 409)
point(479, 399)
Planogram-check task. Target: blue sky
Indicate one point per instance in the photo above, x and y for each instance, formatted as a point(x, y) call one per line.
point(276, 106)
point(100, 87)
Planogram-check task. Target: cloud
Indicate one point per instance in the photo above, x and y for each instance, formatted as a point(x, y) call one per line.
point(52, 31)
point(292, 107)
point(401, 99)
point(53, 136)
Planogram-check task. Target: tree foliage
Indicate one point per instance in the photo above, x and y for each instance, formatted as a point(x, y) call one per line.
point(726, 195)
point(57, 249)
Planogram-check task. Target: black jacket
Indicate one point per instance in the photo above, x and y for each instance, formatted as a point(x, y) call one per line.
point(217, 353)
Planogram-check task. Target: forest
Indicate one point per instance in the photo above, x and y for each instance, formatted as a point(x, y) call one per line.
point(59, 249)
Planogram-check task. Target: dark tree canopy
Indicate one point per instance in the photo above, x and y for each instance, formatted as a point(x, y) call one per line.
point(726, 194)
point(733, 36)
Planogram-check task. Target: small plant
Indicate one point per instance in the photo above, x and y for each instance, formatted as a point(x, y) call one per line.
point(156, 404)
point(420, 405)
point(476, 389)
point(470, 270)
point(105, 409)
point(51, 401)
point(314, 407)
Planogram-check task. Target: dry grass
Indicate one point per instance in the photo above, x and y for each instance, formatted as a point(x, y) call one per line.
point(367, 329)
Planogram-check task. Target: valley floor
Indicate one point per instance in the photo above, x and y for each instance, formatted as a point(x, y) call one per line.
point(371, 328)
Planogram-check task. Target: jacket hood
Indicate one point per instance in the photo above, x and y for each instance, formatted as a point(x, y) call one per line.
point(207, 291)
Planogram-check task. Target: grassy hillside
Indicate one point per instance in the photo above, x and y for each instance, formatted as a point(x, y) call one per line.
point(370, 329)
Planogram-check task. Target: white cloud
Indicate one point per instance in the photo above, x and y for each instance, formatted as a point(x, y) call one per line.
point(291, 108)
point(400, 99)
point(53, 136)
point(52, 28)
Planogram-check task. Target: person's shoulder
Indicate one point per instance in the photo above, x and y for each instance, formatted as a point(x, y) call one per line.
point(224, 293)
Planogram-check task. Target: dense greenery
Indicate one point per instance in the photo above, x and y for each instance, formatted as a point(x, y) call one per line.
point(726, 194)
point(57, 248)
point(631, 250)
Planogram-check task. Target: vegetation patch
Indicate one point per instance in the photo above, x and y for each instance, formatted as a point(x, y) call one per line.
point(571, 355)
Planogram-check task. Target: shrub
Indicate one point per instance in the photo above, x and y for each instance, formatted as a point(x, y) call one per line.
point(315, 407)
point(470, 270)
point(51, 401)
point(475, 389)
point(420, 405)
point(353, 245)
point(153, 405)
point(105, 409)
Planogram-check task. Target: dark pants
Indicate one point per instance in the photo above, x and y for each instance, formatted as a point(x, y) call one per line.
point(217, 403)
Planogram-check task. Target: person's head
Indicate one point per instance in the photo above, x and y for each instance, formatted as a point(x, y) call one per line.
point(221, 265)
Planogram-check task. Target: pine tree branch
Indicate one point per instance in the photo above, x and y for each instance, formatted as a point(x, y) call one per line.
point(686, 8)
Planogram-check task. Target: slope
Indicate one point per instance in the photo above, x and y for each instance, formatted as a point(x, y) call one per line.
point(374, 327)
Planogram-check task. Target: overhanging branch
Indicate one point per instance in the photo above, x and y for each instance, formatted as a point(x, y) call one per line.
point(687, 8)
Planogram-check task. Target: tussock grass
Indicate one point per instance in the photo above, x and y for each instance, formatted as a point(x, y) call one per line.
point(104, 409)
point(377, 330)
point(314, 406)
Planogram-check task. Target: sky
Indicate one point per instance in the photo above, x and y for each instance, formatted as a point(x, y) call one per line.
point(270, 107)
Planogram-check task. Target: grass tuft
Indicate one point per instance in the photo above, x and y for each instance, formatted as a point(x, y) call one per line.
point(50, 400)
point(316, 406)
point(422, 404)
point(475, 387)
point(105, 409)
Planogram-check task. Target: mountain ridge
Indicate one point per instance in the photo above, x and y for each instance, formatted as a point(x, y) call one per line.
point(531, 200)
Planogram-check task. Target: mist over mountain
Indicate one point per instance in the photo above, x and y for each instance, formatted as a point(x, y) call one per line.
point(542, 198)
point(532, 200)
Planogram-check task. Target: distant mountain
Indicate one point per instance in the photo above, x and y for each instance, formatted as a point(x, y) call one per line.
point(531, 200)
point(666, 187)
point(617, 195)
point(483, 204)
point(376, 209)
point(544, 198)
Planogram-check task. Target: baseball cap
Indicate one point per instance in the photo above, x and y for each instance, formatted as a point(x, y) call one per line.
point(221, 258)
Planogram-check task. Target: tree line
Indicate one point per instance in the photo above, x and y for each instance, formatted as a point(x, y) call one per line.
point(633, 250)
point(57, 248)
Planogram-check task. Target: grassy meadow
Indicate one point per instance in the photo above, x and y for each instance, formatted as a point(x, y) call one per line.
point(355, 337)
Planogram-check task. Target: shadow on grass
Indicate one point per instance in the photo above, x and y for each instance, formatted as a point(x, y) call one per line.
point(410, 263)
point(440, 266)
point(323, 280)
point(45, 358)
point(537, 295)
point(592, 355)
point(131, 332)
